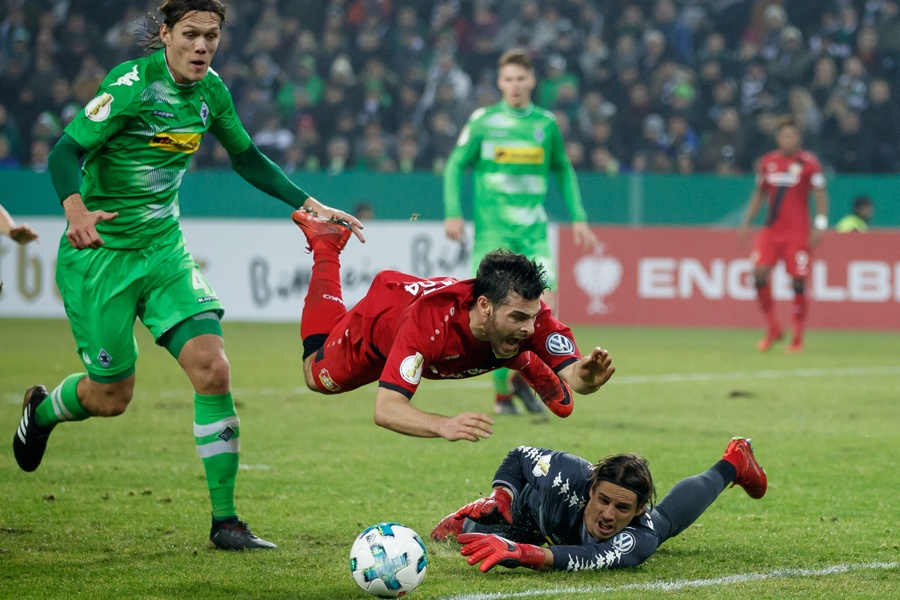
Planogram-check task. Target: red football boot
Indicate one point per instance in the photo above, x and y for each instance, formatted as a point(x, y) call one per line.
point(750, 475)
point(319, 231)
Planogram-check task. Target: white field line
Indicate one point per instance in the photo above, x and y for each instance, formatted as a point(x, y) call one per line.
point(678, 584)
point(485, 383)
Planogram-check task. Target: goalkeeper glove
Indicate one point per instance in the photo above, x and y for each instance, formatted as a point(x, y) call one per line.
point(489, 511)
point(491, 550)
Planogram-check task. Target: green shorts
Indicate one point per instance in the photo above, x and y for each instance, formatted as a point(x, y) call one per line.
point(105, 290)
point(534, 247)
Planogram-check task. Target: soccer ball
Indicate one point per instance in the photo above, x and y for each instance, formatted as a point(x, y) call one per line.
point(388, 560)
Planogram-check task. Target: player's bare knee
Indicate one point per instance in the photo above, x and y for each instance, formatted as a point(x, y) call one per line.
point(209, 372)
point(111, 401)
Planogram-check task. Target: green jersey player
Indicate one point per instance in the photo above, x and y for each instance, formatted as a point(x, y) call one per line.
point(513, 148)
point(123, 255)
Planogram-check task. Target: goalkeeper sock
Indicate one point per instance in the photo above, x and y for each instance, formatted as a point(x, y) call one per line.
point(217, 433)
point(501, 382)
point(324, 303)
point(63, 404)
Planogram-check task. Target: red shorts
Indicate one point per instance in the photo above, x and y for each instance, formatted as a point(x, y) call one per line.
point(346, 361)
point(772, 246)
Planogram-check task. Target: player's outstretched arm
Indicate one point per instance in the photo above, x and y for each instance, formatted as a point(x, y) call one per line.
point(393, 411)
point(588, 374)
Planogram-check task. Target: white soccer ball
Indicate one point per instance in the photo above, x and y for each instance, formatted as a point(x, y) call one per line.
point(388, 560)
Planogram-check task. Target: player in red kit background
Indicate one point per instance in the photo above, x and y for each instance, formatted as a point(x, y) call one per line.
point(786, 176)
point(407, 328)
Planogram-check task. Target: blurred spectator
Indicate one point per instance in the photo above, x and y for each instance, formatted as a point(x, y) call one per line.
point(722, 149)
point(880, 123)
point(337, 155)
point(791, 65)
point(858, 219)
point(8, 160)
point(824, 80)
point(849, 150)
point(603, 161)
point(273, 138)
point(679, 37)
point(9, 129)
point(301, 88)
point(410, 157)
point(556, 81)
point(446, 73)
point(520, 30)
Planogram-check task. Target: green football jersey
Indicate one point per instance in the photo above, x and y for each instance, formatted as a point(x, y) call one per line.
point(139, 133)
point(512, 153)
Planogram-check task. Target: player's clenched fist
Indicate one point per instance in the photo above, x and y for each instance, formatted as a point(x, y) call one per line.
point(491, 550)
point(490, 510)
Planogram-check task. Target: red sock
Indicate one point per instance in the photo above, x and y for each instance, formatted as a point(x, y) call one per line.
point(798, 313)
point(324, 301)
point(764, 296)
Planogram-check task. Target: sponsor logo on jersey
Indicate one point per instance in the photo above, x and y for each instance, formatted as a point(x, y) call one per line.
point(560, 345)
point(451, 357)
point(623, 542)
point(203, 299)
point(540, 135)
point(98, 108)
point(186, 143)
point(328, 382)
point(204, 112)
point(104, 358)
point(128, 79)
point(163, 113)
point(411, 368)
point(533, 155)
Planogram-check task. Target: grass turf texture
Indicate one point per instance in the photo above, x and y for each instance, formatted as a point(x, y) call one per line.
point(119, 506)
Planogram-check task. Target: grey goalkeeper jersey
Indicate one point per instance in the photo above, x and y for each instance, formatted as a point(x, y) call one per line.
point(551, 491)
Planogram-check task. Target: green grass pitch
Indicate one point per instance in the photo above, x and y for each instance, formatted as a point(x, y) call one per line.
point(118, 509)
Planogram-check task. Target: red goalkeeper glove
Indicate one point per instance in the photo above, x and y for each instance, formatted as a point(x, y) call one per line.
point(555, 393)
point(491, 550)
point(491, 510)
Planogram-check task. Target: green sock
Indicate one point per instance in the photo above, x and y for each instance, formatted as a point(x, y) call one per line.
point(501, 381)
point(217, 432)
point(62, 404)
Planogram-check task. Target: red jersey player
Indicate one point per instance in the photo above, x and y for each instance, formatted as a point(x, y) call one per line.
point(407, 328)
point(786, 176)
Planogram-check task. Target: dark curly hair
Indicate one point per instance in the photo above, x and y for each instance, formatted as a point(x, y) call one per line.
point(630, 471)
point(173, 11)
point(502, 272)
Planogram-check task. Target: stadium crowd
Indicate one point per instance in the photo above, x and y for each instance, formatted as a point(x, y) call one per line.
point(386, 85)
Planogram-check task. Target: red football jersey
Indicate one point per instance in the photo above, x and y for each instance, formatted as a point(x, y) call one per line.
point(418, 328)
point(788, 180)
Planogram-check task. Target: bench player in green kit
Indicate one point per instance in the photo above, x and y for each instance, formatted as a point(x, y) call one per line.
point(513, 148)
point(123, 255)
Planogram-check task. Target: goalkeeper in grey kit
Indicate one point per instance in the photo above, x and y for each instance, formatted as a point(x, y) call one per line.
point(592, 516)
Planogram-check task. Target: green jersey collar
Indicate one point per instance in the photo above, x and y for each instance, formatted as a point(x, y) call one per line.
point(517, 112)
